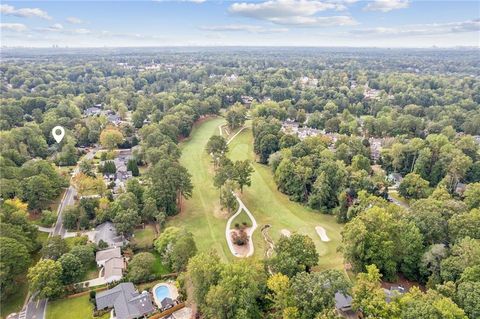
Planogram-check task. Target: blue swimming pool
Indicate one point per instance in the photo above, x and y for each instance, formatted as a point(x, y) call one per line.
point(162, 292)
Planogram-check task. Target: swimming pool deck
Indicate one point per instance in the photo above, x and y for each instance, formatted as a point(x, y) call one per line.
point(173, 291)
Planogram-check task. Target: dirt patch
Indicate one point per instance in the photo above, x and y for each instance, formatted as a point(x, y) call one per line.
point(286, 232)
point(220, 213)
point(322, 233)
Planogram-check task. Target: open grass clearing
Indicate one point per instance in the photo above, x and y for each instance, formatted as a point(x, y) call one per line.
point(200, 214)
point(144, 237)
point(242, 220)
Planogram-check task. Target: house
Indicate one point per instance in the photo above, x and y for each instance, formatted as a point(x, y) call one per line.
point(393, 292)
point(92, 111)
point(114, 119)
point(103, 255)
point(167, 303)
point(113, 270)
point(112, 262)
point(125, 301)
point(395, 178)
point(343, 302)
point(107, 233)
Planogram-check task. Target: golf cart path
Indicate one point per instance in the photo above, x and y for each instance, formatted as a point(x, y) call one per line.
point(241, 206)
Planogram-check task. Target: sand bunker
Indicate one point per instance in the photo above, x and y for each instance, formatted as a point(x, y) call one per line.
point(322, 233)
point(286, 233)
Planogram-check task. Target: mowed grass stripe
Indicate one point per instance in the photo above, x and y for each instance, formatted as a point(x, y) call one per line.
point(198, 213)
point(269, 206)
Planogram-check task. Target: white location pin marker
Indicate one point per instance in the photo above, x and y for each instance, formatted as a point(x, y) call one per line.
point(58, 133)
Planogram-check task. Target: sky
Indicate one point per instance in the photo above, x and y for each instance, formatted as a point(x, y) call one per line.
point(317, 23)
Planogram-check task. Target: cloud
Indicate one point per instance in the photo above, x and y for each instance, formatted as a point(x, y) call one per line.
point(293, 12)
point(386, 5)
point(423, 29)
point(242, 28)
point(16, 27)
point(24, 12)
point(74, 20)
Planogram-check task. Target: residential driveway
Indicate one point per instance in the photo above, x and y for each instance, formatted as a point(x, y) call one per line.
point(95, 282)
point(35, 309)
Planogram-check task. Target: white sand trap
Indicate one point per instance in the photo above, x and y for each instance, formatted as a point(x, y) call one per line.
point(286, 233)
point(322, 233)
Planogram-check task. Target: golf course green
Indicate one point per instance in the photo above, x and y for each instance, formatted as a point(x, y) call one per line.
point(202, 215)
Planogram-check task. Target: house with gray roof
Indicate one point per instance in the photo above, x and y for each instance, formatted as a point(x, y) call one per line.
point(126, 302)
point(107, 233)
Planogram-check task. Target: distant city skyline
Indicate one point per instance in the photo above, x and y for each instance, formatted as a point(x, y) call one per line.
point(327, 23)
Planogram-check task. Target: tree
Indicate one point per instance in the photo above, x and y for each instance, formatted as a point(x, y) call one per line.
point(463, 225)
point(217, 146)
point(268, 145)
point(149, 211)
point(472, 195)
point(181, 251)
point(468, 297)
point(37, 191)
point(126, 220)
point(85, 253)
point(133, 167)
point(45, 277)
point(228, 199)
point(237, 291)
point(176, 246)
point(111, 137)
point(463, 254)
point(204, 272)
point(140, 267)
point(369, 297)
point(281, 295)
point(377, 236)
point(242, 172)
point(314, 292)
point(72, 268)
point(88, 186)
point(87, 168)
point(431, 304)
point(170, 182)
point(427, 215)
point(360, 162)
point(294, 254)
point(70, 217)
point(236, 116)
point(413, 186)
point(14, 260)
point(55, 247)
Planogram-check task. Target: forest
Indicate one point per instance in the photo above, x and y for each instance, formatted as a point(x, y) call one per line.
point(385, 142)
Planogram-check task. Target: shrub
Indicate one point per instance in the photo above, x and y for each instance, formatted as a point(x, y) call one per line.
point(240, 237)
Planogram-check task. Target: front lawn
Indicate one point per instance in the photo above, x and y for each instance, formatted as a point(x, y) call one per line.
point(72, 308)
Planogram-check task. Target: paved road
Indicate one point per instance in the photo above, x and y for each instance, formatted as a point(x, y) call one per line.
point(69, 198)
point(35, 309)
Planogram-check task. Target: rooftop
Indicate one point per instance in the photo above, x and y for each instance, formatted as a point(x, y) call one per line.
point(126, 301)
